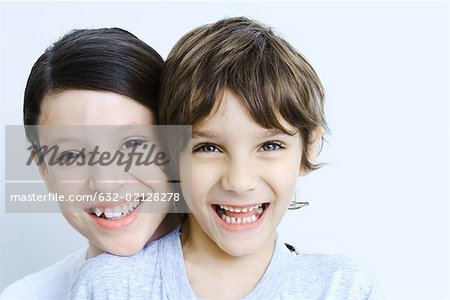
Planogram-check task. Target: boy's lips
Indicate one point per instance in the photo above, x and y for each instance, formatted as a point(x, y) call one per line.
point(240, 217)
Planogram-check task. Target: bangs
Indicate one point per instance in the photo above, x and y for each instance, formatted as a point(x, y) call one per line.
point(266, 79)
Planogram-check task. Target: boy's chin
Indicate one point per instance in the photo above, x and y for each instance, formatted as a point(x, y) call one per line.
point(240, 248)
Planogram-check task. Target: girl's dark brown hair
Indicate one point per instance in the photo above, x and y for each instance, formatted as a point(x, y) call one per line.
point(242, 55)
point(105, 59)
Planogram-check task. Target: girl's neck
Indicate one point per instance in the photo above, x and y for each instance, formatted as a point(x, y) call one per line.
point(93, 251)
point(211, 271)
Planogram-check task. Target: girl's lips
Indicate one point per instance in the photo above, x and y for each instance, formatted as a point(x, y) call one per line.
point(110, 203)
point(115, 224)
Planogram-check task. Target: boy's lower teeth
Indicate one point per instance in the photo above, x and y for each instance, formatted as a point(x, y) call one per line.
point(235, 220)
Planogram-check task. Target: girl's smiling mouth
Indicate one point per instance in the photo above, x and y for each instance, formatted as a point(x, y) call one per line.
point(117, 212)
point(116, 217)
point(240, 217)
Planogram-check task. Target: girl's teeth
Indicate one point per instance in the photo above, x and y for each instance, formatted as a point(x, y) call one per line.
point(115, 212)
point(108, 213)
point(98, 211)
point(244, 210)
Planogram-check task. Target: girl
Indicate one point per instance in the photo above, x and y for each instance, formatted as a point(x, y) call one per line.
point(95, 77)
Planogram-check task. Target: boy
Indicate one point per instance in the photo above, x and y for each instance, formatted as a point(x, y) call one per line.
point(256, 107)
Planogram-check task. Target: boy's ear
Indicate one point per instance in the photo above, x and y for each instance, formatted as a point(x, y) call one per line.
point(42, 167)
point(314, 149)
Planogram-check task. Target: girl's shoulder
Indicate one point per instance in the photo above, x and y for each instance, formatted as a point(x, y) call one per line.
point(50, 283)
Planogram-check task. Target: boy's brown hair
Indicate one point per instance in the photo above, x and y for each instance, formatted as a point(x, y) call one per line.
point(270, 76)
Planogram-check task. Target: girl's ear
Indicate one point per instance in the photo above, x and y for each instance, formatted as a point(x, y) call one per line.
point(42, 167)
point(314, 148)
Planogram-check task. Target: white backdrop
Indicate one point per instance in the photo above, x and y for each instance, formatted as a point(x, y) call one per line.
point(383, 197)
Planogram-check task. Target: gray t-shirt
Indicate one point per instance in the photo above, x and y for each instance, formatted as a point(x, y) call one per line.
point(158, 272)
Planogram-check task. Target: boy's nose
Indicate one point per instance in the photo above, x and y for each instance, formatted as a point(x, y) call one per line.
point(240, 177)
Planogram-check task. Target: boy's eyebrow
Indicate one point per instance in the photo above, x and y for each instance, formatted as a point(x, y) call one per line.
point(269, 133)
point(207, 134)
point(266, 133)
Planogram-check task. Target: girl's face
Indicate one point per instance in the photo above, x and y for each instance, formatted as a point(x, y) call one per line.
point(116, 224)
point(243, 178)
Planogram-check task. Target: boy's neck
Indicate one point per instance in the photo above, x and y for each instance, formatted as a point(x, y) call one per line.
point(212, 272)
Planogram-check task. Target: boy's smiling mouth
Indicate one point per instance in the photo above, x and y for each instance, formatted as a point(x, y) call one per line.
point(240, 215)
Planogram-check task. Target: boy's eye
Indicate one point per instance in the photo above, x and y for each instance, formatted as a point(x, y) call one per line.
point(206, 148)
point(132, 143)
point(271, 146)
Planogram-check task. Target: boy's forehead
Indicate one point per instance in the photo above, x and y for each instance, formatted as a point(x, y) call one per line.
point(229, 110)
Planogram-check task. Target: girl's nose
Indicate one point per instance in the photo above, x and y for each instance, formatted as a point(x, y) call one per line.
point(106, 178)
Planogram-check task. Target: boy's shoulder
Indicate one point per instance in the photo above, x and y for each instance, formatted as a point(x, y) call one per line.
point(107, 261)
point(135, 276)
point(53, 282)
point(319, 276)
point(104, 265)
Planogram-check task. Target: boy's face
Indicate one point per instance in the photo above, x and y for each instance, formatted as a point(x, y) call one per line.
point(243, 178)
point(119, 224)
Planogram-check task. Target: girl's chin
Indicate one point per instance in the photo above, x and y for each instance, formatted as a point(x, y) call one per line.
point(119, 245)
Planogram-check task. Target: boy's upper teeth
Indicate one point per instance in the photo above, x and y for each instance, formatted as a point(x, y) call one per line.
point(241, 209)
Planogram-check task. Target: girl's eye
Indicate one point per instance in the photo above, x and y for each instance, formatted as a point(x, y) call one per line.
point(132, 143)
point(67, 157)
point(271, 146)
point(206, 148)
